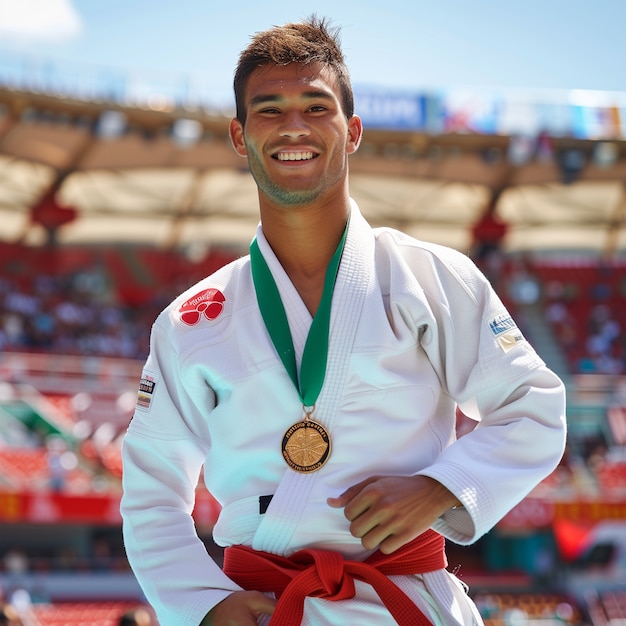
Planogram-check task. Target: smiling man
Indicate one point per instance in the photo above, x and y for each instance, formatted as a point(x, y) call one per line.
point(317, 380)
point(297, 139)
point(296, 136)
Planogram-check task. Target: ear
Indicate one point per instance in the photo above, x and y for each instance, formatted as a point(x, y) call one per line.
point(355, 132)
point(235, 131)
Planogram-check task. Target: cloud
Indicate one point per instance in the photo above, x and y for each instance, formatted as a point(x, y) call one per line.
point(37, 20)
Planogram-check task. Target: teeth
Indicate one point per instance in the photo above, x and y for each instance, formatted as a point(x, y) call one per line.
point(294, 156)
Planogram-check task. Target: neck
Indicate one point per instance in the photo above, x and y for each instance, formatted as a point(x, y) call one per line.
point(304, 241)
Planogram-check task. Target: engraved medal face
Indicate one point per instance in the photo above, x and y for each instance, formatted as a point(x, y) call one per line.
point(306, 446)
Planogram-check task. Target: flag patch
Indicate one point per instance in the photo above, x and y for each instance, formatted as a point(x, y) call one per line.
point(147, 385)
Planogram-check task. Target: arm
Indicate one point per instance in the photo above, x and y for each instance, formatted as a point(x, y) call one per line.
point(386, 512)
point(490, 370)
point(496, 377)
point(519, 439)
point(490, 470)
point(163, 452)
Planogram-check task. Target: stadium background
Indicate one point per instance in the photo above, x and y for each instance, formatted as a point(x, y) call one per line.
point(111, 204)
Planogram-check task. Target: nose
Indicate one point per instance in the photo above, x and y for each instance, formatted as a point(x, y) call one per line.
point(294, 126)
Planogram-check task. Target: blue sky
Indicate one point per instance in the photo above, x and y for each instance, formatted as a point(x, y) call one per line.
point(405, 45)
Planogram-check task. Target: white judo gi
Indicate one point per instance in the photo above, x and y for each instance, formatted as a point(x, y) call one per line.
point(415, 331)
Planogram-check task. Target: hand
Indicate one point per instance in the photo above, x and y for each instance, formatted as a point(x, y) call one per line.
point(387, 512)
point(240, 608)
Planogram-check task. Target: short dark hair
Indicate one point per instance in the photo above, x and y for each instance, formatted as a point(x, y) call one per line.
point(311, 40)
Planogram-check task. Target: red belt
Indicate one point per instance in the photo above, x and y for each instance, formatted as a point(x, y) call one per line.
point(326, 574)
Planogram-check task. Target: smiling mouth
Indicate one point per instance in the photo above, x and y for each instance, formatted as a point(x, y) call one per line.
point(295, 156)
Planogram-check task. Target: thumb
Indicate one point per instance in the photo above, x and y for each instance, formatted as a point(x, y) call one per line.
point(262, 605)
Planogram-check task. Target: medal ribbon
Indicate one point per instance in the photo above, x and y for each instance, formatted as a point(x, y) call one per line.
point(315, 355)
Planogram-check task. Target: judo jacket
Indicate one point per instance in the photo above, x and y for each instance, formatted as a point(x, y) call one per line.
point(416, 331)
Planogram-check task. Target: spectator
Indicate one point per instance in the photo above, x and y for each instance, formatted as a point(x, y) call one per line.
point(524, 288)
point(21, 603)
point(135, 617)
point(16, 564)
point(9, 616)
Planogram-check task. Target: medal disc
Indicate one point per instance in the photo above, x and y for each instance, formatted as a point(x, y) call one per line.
point(306, 446)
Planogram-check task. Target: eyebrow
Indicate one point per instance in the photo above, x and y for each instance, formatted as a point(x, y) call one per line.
point(272, 98)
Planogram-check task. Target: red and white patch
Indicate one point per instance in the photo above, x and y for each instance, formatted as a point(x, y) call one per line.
point(209, 303)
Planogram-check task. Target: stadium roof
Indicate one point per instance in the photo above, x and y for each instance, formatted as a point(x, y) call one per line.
point(110, 173)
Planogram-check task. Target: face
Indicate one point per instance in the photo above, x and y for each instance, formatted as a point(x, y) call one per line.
point(296, 136)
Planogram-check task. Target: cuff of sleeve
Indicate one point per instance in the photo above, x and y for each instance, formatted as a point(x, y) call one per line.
point(457, 525)
point(462, 524)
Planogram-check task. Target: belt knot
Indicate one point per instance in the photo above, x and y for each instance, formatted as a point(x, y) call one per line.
point(324, 574)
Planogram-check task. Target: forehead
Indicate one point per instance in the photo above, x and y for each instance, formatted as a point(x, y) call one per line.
point(292, 79)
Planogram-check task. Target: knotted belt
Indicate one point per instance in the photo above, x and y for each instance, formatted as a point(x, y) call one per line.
point(326, 574)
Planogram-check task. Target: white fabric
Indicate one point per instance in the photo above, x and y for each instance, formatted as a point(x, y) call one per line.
point(415, 330)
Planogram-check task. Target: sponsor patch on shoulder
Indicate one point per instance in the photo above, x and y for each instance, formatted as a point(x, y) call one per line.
point(506, 332)
point(208, 303)
point(147, 385)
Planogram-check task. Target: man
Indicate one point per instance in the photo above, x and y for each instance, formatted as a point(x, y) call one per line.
point(317, 381)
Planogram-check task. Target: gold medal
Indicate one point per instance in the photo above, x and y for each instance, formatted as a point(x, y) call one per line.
point(306, 446)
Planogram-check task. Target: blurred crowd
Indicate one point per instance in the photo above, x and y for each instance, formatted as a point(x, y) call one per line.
point(75, 313)
point(585, 307)
point(81, 313)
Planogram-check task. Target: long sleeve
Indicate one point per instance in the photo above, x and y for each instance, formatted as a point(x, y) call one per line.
point(519, 440)
point(162, 456)
point(490, 370)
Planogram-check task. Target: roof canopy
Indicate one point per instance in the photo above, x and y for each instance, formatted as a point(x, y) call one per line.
point(171, 178)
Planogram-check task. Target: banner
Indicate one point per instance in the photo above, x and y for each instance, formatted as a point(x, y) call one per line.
point(101, 509)
point(581, 114)
point(534, 513)
point(398, 111)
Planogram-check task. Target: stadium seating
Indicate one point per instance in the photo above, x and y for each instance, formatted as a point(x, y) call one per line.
point(585, 302)
point(25, 468)
point(500, 609)
point(142, 280)
point(30, 469)
point(81, 613)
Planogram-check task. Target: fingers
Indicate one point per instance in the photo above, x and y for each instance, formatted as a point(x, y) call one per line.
point(389, 511)
point(372, 515)
point(351, 493)
point(371, 536)
point(395, 542)
point(362, 507)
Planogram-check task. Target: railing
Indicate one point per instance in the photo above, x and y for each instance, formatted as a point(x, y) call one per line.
point(70, 374)
point(588, 114)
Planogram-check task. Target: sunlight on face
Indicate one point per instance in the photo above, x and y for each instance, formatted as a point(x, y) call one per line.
point(296, 136)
